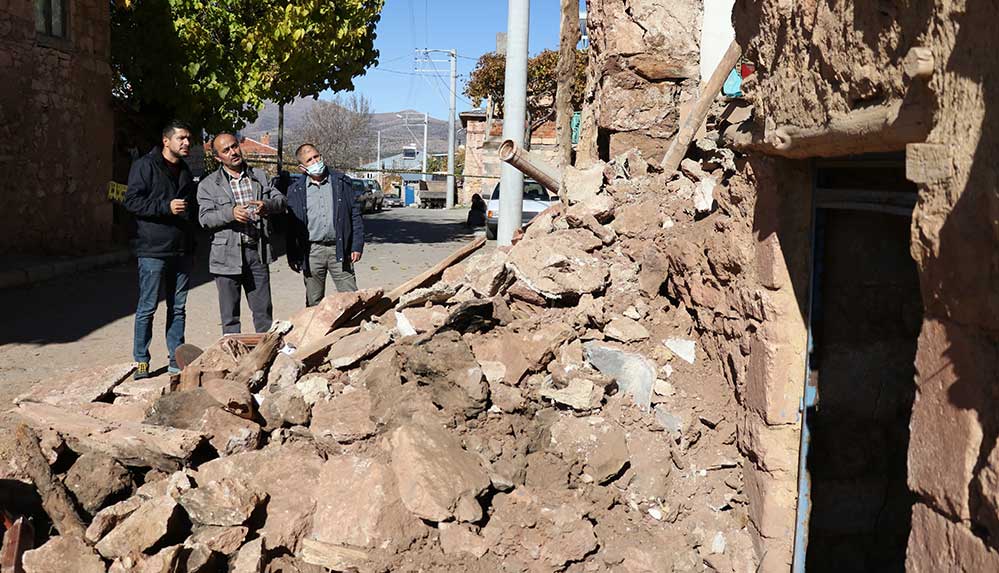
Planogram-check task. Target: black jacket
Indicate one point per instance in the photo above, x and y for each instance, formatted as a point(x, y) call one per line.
point(347, 219)
point(150, 190)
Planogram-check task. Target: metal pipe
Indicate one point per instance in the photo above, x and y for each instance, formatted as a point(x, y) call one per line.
point(449, 199)
point(530, 165)
point(511, 205)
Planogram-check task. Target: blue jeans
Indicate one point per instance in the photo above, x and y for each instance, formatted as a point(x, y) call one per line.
point(171, 274)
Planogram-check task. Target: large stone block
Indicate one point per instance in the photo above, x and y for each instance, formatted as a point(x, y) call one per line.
point(955, 371)
point(772, 502)
point(775, 379)
point(772, 448)
point(938, 544)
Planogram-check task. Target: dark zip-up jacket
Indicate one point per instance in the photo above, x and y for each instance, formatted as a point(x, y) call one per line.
point(150, 189)
point(346, 219)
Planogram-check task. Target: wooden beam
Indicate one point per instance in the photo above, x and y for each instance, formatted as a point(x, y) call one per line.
point(709, 91)
point(565, 72)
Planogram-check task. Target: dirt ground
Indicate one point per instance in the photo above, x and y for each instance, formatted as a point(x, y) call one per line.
point(88, 319)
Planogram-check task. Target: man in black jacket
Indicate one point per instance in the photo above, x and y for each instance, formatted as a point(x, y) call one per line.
point(325, 234)
point(161, 194)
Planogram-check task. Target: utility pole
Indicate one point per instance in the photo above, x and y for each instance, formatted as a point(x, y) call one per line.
point(449, 201)
point(426, 154)
point(453, 59)
point(280, 162)
point(378, 160)
point(511, 205)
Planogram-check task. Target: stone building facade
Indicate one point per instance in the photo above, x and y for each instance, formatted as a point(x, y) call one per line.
point(56, 126)
point(857, 253)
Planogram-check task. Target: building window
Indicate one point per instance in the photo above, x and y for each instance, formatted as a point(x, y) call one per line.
point(50, 17)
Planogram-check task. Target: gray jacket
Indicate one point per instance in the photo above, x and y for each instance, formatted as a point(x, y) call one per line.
point(216, 201)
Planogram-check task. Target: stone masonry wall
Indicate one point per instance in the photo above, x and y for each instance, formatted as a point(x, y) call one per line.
point(56, 131)
point(643, 64)
point(820, 60)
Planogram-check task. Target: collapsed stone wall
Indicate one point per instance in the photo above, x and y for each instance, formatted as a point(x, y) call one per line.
point(56, 130)
point(820, 62)
point(643, 63)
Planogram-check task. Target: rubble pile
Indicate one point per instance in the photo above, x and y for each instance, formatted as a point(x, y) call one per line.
point(547, 407)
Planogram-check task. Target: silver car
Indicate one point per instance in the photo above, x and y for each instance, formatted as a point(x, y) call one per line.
point(536, 200)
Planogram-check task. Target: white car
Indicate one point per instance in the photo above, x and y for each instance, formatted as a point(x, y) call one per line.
point(536, 200)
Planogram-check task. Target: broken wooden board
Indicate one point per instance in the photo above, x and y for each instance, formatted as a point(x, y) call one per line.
point(132, 444)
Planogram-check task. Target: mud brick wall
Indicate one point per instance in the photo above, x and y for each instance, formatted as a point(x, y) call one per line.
point(644, 58)
point(819, 61)
point(56, 131)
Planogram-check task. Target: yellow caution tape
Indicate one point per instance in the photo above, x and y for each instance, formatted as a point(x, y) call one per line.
point(116, 191)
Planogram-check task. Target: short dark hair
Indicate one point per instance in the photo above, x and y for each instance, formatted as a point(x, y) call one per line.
point(173, 125)
point(301, 148)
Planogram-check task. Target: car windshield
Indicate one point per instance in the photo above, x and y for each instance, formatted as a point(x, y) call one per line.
point(374, 185)
point(533, 191)
point(358, 186)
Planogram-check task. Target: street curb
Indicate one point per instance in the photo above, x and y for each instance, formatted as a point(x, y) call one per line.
point(43, 271)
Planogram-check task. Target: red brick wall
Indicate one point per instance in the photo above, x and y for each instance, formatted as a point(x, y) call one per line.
point(56, 131)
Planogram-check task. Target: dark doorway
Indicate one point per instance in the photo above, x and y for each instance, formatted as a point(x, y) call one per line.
point(866, 315)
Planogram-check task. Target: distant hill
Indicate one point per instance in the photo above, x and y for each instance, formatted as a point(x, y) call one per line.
point(394, 132)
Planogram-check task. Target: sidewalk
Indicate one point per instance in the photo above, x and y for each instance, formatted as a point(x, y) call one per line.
point(21, 270)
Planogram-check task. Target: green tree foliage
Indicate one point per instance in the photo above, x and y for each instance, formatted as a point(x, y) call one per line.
point(489, 78)
point(216, 61)
point(438, 163)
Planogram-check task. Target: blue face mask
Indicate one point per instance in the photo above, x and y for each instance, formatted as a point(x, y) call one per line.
point(316, 169)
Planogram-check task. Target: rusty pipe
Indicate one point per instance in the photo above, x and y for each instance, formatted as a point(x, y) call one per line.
point(530, 165)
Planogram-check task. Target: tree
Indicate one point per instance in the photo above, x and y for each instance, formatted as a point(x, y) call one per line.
point(341, 129)
point(438, 163)
point(489, 78)
point(216, 61)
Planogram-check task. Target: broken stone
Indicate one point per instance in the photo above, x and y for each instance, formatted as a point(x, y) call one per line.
point(288, 474)
point(684, 349)
point(345, 418)
point(435, 475)
point(597, 442)
point(572, 536)
point(172, 485)
point(226, 502)
point(141, 530)
point(289, 564)
point(486, 273)
point(670, 422)
point(222, 540)
point(458, 538)
point(78, 387)
point(519, 290)
point(704, 196)
point(181, 409)
point(285, 407)
point(581, 185)
point(108, 518)
point(360, 507)
point(95, 478)
point(506, 398)
point(249, 558)
point(334, 557)
point(649, 455)
point(553, 267)
point(580, 394)
point(283, 372)
point(217, 361)
point(625, 330)
point(633, 373)
point(446, 364)
point(682, 188)
point(233, 396)
point(314, 388)
point(312, 324)
point(600, 207)
point(150, 388)
point(663, 388)
point(427, 319)
point(693, 170)
point(352, 349)
point(438, 293)
point(403, 326)
point(229, 434)
point(131, 444)
point(58, 553)
point(654, 269)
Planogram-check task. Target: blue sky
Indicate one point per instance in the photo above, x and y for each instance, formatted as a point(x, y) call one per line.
point(468, 26)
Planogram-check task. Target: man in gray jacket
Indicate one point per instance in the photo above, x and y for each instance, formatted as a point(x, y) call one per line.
point(236, 203)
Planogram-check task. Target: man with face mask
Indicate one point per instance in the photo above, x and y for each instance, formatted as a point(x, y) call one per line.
point(161, 196)
point(325, 234)
point(236, 204)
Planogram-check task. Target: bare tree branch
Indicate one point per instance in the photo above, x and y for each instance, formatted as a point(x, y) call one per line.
point(341, 129)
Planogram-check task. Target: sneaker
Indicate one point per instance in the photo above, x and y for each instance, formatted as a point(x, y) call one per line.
point(173, 370)
point(141, 371)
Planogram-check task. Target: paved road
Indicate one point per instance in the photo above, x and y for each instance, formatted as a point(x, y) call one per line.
point(88, 319)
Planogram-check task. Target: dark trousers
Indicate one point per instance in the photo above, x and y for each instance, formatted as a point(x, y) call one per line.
point(256, 281)
point(170, 274)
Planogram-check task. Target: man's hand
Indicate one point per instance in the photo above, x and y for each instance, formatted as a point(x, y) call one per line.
point(295, 266)
point(240, 213)
point(355, 256)
point(178, 206)
point(261, 208)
